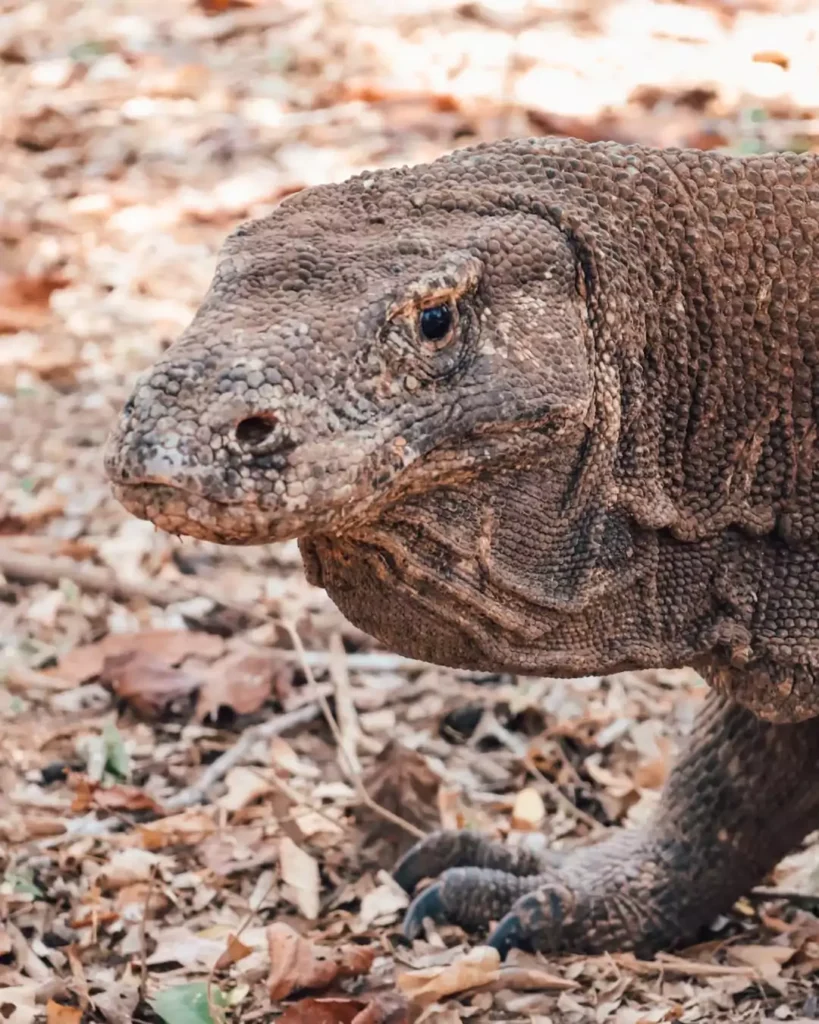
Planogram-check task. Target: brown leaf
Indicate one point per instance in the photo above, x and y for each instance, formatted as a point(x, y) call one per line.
point(402, 781)
point(244, 785)
point(170, 646)
point(140, 899)
point(57, 1013)
point(480, 966)
point(768, 960)
point(323, 1011)
point(531, 979)
point(386, 1008)
point(146, 682)
point(117, 797)
point(241, 681)
point(236, 951)
point(293, 964)
point(188, 828)
point(120, 797)
point(24, 301)
point(296, 963)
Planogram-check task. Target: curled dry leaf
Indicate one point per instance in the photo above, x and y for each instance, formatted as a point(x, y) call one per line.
point(296, 963)
point(480, 967)
point(242, 681)
point(146, 682)
point(531, 979)
point(768, 960)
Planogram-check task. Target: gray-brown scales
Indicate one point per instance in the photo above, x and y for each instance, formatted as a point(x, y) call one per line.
point(540, 407)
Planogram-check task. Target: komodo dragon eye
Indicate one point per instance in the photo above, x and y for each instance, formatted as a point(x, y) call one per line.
point(435, 322)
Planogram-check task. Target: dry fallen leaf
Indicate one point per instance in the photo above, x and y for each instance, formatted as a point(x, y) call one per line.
point(146, 682)
point(531, 979)
point(117, 797)
point(117, 1003)
point(57, 1013)
point(480, 967)
point(401, 781)
point(170, 646)
point(528, 812)
point(236, 951)
point(323, 1011)
point(768, 960)
point(300, 871)
point(24, 301)
point(242, 681)
point(190, 827)
point(127, 867)
point(244, 785)
point(296, 963)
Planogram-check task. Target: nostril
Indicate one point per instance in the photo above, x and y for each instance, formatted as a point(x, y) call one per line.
point(255, 429)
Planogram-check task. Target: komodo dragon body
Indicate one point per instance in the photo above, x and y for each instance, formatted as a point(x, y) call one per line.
point(540, 407)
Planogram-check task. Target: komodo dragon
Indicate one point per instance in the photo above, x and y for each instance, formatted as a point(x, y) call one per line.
point(547, 408)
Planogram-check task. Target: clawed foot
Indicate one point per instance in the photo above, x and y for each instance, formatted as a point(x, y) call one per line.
point(595, 899)
point(480, 881)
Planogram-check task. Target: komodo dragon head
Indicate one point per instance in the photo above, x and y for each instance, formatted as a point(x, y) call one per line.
point(398, 371)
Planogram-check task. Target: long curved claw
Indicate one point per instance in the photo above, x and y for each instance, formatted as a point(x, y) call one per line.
point(535, 921)
point(429, 903)
point(509, 934)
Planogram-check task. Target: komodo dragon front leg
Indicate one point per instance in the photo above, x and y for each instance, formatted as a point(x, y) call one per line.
point(743, 793)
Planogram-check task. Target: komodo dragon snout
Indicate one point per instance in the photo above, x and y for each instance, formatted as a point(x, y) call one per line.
point(348, 354)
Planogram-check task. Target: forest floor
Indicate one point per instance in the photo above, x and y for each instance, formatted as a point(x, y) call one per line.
point(181, 836)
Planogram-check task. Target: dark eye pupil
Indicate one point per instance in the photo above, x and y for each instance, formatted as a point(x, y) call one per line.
point(435, 322)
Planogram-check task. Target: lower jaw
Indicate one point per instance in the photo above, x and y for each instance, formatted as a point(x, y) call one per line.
point(187, 514)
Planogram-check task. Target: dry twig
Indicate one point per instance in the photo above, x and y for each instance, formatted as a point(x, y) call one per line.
point(233, 755)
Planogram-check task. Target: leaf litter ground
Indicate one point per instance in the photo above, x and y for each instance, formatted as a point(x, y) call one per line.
point(183, 837)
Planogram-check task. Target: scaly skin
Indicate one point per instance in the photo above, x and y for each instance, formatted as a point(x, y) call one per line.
point(546, 408)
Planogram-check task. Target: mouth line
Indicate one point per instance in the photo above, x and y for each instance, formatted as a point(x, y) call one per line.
point(147, 484)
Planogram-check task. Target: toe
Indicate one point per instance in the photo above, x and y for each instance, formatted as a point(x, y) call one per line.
point(509, 934)
point(535, 922)
point(429, 903)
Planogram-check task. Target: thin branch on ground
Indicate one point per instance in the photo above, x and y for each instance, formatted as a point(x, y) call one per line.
point(198, 792)
point(560, 798)
point(25, 567)
point(143, 935)
point(353, 776)
point(349, 729)
point(804, 900)
point(21, 679)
